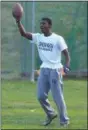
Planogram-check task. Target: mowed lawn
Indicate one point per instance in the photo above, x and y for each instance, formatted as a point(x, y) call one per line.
point(21, 110)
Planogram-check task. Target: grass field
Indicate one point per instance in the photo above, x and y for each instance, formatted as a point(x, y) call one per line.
point(21, 110)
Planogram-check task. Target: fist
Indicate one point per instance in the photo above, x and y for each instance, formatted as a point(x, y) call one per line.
point(66, 69)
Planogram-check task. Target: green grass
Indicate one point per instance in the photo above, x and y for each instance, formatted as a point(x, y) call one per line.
point(21, 110)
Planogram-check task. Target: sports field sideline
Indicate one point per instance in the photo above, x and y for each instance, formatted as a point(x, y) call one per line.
point(21, 110)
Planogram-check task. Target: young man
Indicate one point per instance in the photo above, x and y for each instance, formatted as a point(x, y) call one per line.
point(50, 46)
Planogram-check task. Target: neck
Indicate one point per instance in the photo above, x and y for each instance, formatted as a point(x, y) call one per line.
point(47, 33)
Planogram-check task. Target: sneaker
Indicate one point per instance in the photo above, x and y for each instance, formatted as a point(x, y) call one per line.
point(65, 124)
point(49, 120)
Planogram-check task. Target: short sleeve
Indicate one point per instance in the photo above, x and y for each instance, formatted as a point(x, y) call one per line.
point(62, 44)
point(35, 38)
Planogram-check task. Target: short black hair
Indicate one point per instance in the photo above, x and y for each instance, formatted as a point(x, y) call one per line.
point(48, 20)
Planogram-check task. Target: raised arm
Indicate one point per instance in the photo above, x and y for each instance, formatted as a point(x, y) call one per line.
point(22, 30)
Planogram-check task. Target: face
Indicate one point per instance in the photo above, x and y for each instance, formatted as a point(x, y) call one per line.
point(44, 26)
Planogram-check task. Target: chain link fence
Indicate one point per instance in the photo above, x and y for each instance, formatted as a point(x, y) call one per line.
point(69, 20)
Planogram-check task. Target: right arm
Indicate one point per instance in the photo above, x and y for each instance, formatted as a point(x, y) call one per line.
point(22, 31)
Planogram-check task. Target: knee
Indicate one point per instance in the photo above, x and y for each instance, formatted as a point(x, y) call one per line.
point(41, 97)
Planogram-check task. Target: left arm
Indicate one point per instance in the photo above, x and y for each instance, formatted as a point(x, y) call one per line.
point(64, 49)
point(67, 57)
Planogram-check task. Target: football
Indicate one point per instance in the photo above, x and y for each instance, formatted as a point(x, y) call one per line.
point(17, 11)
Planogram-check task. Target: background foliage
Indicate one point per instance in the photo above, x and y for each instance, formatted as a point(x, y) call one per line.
point(69, 20)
